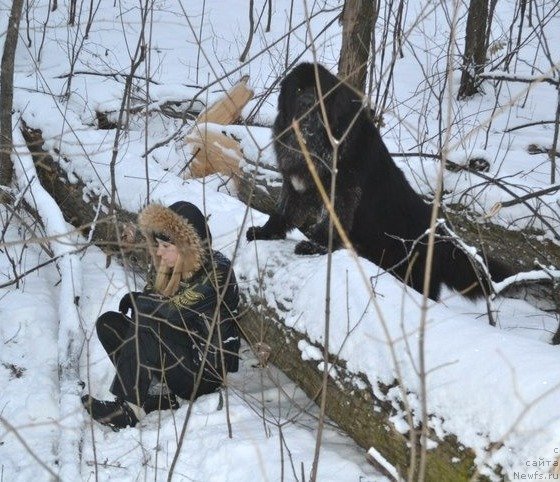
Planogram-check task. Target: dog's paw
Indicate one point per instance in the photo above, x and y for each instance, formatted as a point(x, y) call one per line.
point(255, 232)
point(261, 232)
point(309, 247)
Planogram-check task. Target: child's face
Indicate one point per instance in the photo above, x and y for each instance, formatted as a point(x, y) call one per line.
point(167, 252)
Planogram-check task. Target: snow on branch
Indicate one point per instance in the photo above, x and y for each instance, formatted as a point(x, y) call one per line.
point(506, 76)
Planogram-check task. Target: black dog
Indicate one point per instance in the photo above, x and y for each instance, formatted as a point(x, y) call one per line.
point(385, 219)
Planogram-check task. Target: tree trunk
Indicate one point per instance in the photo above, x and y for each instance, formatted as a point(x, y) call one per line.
point(358, 17)
point(474, 57)
point(7, 94)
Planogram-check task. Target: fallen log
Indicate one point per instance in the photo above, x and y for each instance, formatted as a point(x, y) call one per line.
point(351, 402)
point(214, 151)
point(116, 234)
point(286, 312)
point(259, 187)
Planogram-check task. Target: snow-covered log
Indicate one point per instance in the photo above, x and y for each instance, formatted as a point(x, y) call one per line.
point(116, 234)
point(259, 186)
point(70, 336)
point(350, 401)
point(482, 394)
point(212, 150)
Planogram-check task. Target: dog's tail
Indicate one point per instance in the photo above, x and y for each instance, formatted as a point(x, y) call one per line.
point(469, 274)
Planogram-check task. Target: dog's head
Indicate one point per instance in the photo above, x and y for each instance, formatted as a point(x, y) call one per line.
point(302, 92)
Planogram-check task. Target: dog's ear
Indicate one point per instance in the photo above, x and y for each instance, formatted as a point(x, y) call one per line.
point(283, 110)
point(287, 101)
point(342, 104)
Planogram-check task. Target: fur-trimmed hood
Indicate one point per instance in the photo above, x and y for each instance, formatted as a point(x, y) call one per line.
point(182, 224)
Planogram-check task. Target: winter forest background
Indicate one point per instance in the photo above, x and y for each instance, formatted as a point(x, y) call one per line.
point(98, 100)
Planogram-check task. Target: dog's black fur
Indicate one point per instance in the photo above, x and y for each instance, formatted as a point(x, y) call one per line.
point(386, 220)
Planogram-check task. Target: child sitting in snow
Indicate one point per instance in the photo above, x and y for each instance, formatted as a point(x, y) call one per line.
point(185, 323)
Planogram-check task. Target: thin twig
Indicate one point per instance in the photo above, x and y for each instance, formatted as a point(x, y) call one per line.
point(245, 52)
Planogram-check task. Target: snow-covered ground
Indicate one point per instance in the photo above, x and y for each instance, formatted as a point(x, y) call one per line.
point(272, 421)
point(488, 386)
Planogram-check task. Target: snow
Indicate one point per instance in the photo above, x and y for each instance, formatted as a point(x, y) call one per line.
point(468, 361)
point(383, 462)
point(488, 386)
point(308, 351)
point(30, 404)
